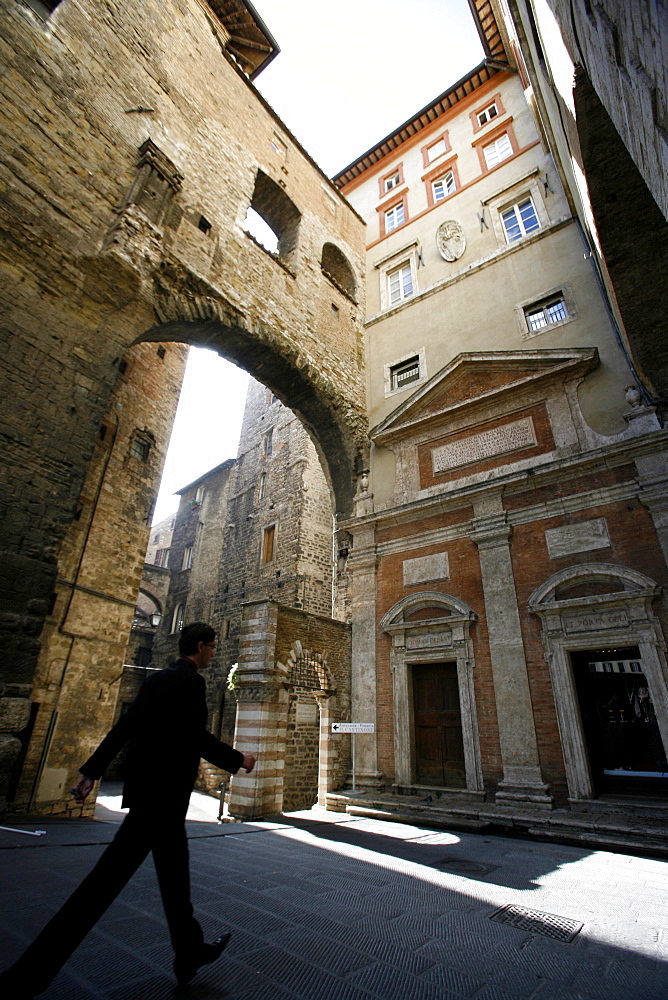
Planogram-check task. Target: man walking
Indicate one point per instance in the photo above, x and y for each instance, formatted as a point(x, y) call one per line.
point(166, 730)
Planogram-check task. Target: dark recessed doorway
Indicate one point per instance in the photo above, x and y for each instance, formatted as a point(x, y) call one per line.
point(439, 746)
point(626, 753)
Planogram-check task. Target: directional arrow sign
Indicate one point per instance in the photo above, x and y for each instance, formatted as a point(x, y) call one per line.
point(353, 727)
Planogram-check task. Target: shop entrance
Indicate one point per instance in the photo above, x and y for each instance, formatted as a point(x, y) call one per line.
point(439, 746)
point(626, 753)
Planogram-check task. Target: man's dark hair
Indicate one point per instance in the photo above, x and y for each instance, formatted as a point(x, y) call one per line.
point(193, 634)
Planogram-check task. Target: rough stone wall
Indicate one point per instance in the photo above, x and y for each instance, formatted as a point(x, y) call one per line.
point(133, 143)
point(99, 567)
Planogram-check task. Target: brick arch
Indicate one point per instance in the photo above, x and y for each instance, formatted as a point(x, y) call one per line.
point(334, 421)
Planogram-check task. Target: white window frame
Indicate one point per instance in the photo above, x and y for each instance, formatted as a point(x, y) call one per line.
point(517, 207)
point(178, 618)
point(391, 216)
point(433, 151)
point(501, 150)
point(390, 368)
point(404, 271)
point(484, 116)
point(268, 443)
point(563, 293)
point(187, 562)
point(393, 181)
point(447, 183)
point(405, 255)
point(199, 495)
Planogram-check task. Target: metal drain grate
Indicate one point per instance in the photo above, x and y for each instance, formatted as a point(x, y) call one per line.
point(462, 866)
point(547, 924)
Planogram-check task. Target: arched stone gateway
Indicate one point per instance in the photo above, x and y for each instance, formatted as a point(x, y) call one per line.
point(591, 609)
point(123, 225)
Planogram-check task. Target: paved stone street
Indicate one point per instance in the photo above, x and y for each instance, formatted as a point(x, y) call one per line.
point(326, 907)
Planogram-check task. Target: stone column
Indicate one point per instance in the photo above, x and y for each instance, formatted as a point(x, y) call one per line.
point(328, 751)
point(522, 779)
point(362, 569)
point(261, 716)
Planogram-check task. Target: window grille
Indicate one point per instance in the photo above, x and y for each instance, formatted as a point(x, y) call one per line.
point(545, 314)
point(405, 373)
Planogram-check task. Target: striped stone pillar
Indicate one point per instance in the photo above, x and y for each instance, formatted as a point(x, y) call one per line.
point(261, 716)
point(329, 757)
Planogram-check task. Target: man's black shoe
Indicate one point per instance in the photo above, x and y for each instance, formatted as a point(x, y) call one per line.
point(186, 966)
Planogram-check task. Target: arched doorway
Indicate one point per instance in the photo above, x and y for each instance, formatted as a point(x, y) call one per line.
point(605, 651)
point(435, 720)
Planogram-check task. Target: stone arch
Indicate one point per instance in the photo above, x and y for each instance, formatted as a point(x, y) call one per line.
point(189, 313)
point(338, 269)
point(306, 779)
point(425, 599)
point(619, 577)
point(442, 637)
point(311, 663)
point(632, 231)
point(617, 612)
point(151, 597)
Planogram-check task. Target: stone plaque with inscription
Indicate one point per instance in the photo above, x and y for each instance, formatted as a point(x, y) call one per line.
point(306, 713)
point(425, 568)
point(429, 640)
point(584, 536)
point(487, 444)
point(595, 621)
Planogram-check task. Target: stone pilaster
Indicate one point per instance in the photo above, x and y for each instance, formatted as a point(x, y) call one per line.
point(362, 564)
point(261, 716)
point(522, 779)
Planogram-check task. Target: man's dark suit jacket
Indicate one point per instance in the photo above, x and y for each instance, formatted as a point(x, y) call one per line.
point(166, 727)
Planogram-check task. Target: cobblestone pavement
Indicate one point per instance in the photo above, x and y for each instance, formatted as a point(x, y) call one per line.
point(325, 907)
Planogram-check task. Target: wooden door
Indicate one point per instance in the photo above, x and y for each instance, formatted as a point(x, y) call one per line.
point(439, 747)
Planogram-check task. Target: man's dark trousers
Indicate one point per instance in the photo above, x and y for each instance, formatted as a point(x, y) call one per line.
point(140, 833)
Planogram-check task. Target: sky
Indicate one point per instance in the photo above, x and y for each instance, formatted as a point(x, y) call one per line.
point(345, 77)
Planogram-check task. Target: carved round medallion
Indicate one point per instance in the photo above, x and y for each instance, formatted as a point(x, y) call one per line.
point(450, 240)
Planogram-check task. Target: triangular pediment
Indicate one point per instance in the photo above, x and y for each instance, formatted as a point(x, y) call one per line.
point(472, 379)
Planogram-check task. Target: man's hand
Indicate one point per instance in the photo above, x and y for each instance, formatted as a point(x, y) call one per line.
point(82, 789)
point(248, 762)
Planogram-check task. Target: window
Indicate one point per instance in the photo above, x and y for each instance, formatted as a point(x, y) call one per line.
point(498, 150)
point(268, 537)
point(269, 443)
point(394, 180)
point(187, 557)
point(156, 538)
point(400, 284)
point(262, 486)
point(140, 447)
point(161, 558)
point(437, 149)
point(43, 7)
point(443, 186)
point(547, 314)
point(199, 496)
point(177, 618)
point(403, 374)
point(486, 116)
point(520, 220)
point(272, 218)
point(336, 266)
point(394, 217)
